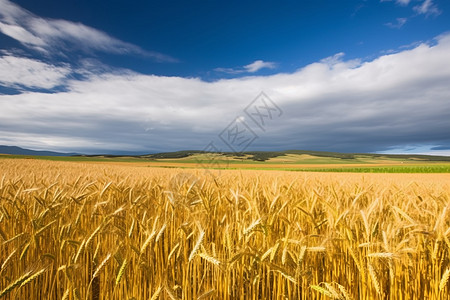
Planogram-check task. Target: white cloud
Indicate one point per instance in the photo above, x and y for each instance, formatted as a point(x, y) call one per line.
point(229, 70)
point(11, 12)
point(427, 8)
point(20, 34)
point(399, 2)
point(254, 67)
point(25, 72)
point(258, 65)
point(403, 2)
point(49, 35)
point(335, 60)
point(398, 24)
point(395, 100)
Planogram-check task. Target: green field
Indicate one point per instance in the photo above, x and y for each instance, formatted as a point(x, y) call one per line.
point(382, 169)
point(302, 161)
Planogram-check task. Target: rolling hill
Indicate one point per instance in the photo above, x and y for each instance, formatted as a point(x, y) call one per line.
point(14, 150)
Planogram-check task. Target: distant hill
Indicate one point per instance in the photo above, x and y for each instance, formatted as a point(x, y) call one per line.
point(248, 155)
point(21, 151)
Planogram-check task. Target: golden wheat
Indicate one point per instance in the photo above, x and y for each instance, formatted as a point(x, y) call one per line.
point(126, 231)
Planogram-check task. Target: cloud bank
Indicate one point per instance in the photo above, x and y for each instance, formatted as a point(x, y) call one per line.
point(394, 101)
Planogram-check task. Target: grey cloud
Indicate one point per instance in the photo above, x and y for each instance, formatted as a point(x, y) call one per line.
point(447, 147)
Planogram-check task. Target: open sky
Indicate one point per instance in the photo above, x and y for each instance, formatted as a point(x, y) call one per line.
point(148, 76)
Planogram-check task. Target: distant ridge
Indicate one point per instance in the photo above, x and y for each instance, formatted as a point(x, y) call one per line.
point(248, 155)
point(14, 150)
point(266, 155)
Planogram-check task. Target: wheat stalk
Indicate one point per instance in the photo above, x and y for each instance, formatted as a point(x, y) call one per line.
point(15, 284)
point(197, 245)
point(102, 264)
point(5, 262)
point(156, 293)
point(444, 279)
point(375, 280)
point(322, 290)
point(209, 258)
point(121, 271)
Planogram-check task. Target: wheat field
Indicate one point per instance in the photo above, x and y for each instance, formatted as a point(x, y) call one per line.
point(126, 231)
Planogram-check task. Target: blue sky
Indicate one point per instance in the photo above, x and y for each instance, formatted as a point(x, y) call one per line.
point(107, 76)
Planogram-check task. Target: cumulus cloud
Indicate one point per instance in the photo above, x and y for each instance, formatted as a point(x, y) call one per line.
point(19, 72)
point(254, 67)
point(390, 102)
point(47, 35)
